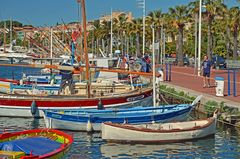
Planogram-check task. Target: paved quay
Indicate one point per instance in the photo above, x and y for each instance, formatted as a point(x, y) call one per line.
point(183, 79)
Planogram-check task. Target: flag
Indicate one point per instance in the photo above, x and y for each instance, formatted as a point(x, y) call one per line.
point(75, 35)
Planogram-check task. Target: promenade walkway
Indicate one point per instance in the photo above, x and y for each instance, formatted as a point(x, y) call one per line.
point(183, 78)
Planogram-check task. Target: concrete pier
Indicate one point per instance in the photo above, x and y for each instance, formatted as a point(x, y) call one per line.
point(183, 79)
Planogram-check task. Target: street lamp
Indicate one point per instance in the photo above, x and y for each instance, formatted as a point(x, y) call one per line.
point(199, 37)
point(153, 65)
point(142, 4)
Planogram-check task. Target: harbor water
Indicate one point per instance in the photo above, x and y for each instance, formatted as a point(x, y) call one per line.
point(224, 144)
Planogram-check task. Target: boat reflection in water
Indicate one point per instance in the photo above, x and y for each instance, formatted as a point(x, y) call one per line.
point(193, 149)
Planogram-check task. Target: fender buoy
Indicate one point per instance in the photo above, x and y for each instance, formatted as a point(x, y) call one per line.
point(89, 126)
point(100, 105)
point(33, 108)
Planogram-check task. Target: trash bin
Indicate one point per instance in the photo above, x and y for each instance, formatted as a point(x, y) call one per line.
point(219, 86)
point(160, 75)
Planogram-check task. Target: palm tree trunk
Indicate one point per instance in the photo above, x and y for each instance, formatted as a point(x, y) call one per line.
point(180, 49)
point(131, 41)
point(97, 51)
point(127, 45)
point(103, 46)
point(137, 45)
point(235, 43)
point(123, 53)
point(227, 42)
point(209, 46)
point(117, 40)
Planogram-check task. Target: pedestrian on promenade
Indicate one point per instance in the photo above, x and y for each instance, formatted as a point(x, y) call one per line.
point(206, 70)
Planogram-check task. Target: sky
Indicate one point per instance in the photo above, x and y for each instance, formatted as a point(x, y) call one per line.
point(51, 12)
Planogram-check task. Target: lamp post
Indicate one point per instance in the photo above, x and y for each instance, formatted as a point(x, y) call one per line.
point(199, 37)
point(142, 4)
point(153, 61)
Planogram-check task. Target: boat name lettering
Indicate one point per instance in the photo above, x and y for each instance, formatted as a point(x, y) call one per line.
point(135, 98)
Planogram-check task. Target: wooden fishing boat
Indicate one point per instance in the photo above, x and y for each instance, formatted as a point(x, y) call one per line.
point(32, 105)
point(37, 143)
point(29, 84)
point(91, 120)
point(159, 133)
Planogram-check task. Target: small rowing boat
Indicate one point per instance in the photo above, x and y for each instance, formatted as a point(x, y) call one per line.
point(159, 133)
point(38, 143)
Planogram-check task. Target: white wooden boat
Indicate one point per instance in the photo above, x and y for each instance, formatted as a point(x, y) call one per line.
point(159, 133)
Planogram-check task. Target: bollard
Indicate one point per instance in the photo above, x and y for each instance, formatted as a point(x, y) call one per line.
point(229, 85)
point(166, 72)
point(234, 84)
point(170, 72)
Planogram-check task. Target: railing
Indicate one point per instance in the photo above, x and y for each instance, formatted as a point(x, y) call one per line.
point(233, 64)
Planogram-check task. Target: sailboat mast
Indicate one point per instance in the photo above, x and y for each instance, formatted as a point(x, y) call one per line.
point(51, 42)
point(153, 70)
point(85, 45)
point(111, 49)
point(4, 40)
point(11, 30)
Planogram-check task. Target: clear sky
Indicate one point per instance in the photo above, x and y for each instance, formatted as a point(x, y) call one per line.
point(49, 12)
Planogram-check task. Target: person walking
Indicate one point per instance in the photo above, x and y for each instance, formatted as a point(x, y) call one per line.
point(206, 70)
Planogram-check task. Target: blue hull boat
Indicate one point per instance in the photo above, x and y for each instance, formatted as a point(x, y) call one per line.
point(90, 120)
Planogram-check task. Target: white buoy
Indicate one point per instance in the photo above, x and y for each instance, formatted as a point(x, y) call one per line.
point(89, 126)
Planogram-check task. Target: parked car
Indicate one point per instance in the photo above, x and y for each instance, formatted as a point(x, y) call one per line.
point(219, 61)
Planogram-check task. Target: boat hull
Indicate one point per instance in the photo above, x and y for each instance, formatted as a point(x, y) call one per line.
point(127, 134)
point(22, 106)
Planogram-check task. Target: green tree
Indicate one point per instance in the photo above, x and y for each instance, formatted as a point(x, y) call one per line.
point(180, 14)
point(235, 23)
point(212, 10)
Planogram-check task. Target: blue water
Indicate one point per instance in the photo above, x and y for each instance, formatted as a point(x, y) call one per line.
point(17, 72)
point(225, 143)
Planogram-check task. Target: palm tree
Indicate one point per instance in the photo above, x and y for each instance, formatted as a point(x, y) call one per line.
point(122, 25)
point(97, 33)
point(156, 18)
point(222, 27)
point(212, 9)
point(105, 34)
point(137, 28)
point(180, 15)
point(235, 24)
point(194, 11)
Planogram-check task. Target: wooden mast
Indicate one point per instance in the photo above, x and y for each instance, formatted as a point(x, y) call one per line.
point(4, 40)
point(85, 45)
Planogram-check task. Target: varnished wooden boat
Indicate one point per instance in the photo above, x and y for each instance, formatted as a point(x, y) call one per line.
point(159, 133)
